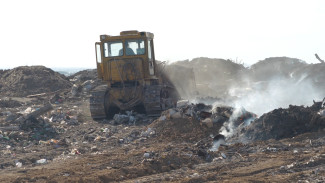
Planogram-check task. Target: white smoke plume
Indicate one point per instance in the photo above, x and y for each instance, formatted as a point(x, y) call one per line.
point(263, 97)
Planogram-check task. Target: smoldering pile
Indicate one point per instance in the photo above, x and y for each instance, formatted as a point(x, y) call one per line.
point(283, 123)
point(198, 121)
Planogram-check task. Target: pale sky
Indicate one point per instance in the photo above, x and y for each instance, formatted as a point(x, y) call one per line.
point(63, 33)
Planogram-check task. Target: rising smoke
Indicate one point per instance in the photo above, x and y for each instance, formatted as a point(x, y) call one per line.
point(269, 84)
point(262, 97)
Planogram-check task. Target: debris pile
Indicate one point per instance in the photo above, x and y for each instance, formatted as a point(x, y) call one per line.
point(130, 118)
point(198, 121)
point(28, 80)
point(84, 81)
point(284, 123)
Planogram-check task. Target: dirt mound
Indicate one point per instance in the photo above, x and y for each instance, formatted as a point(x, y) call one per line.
point(84, 81)
point(275, 67)
point(84, 75)
point(313, 73)
point(189, 123)
point(27, 80)
point(183, 129)
point(285, 123)
point(212, 76)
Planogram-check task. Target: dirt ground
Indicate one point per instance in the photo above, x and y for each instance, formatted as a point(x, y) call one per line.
point(173, 150)
point(63, 144)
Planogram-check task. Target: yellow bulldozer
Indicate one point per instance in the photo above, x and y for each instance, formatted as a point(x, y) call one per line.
point(134, 80)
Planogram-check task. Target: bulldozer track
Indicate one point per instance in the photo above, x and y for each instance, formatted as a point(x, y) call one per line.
point(152, 103)
point(96, 102)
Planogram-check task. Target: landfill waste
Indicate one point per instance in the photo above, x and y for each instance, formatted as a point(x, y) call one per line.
point(148, 132)
point(19, 164)
point(130, 118)
point(41, 161)
point(282, 123)
point(322, 112)
point(52, 127)
point(146, 155)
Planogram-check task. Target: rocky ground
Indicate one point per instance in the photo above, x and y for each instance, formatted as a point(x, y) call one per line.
point(47, 135)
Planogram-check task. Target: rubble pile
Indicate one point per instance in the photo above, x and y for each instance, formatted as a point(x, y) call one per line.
point(84, 81)
point(194, 122)
point(184, 123)
point(28, 80)
point(284, 123)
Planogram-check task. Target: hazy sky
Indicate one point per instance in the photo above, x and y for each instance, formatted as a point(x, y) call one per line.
point(63, 33)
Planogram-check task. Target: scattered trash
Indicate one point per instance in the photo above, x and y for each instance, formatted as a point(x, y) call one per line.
point(75, 151)
point(148, 132)
point(52, 141)
point(105, 130)
point(295, 151)
point(98, 138)
point(223, 155)
point(182, 103)
point(291, 165)
point(128, 118)
point(19, 164)
point(41, 161)
point(271, 149)
point(146, 155)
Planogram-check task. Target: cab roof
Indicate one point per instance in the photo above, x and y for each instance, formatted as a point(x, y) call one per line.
point(126, 35)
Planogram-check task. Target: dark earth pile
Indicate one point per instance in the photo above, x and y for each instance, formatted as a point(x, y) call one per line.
point(28, 80)
point(285, 123)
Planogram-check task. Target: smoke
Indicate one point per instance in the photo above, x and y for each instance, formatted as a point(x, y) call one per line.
point(229, 128)
point(216, 144)
point(262, 97)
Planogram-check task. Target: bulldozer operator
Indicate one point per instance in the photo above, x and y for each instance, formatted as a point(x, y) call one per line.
point(128, 50)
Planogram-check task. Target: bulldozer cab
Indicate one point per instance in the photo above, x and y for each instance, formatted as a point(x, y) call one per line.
point(126, 57)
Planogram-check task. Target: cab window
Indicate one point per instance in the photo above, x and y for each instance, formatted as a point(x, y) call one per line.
point(113, 49)
point(134, 47)
point(98, 54)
